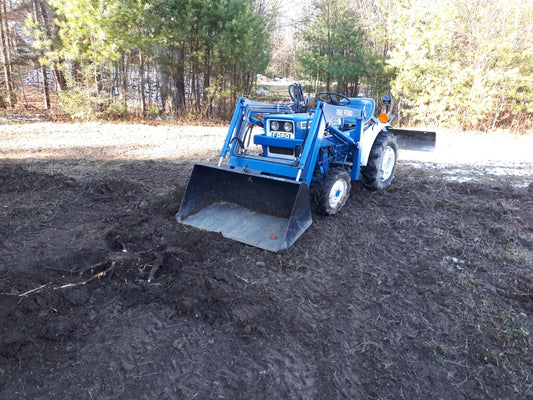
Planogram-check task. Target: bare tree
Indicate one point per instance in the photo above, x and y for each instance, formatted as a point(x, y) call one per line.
point(6, 56)
point(38, 18)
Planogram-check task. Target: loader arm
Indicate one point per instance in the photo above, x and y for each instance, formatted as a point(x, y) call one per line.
point(310, 150)
point(243, 114)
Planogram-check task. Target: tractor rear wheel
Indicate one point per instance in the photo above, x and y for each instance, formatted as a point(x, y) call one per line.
point(379, 170)
point(332, 191)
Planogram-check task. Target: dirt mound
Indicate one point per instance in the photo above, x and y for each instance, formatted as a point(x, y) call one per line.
point(16, 178)
point(110, 190)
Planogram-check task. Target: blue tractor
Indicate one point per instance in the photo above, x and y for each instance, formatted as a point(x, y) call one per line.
point(280, 158)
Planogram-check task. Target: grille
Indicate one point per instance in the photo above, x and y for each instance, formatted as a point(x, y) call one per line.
point(281, 150)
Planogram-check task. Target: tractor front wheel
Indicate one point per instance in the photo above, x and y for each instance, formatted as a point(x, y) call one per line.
point(332, 191)
point(379, 170)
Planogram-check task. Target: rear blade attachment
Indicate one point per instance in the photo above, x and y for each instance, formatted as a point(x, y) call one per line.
point(415, 140)
point(258, 210)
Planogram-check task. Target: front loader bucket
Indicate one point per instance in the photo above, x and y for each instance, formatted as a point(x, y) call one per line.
point(261, 211)
point(409, 139)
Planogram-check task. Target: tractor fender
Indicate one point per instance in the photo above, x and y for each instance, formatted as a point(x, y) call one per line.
point(369, 136)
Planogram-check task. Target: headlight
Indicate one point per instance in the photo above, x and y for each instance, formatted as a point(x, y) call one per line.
point(287, 127)
point(274, 126)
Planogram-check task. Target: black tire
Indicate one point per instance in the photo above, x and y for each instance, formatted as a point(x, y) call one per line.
point(332, 191)
point(379, 170)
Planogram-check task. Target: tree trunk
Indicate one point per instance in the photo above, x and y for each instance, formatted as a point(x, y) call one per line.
point(141, 73)
point(59, 77)
point(46, 92)
point(11, 97)
point(46, 89)
point(163, 88)
point(124, 72)
point(179, 82)
point(193, 96)
point(207, 82)
point(148, 70)
point(76, 73)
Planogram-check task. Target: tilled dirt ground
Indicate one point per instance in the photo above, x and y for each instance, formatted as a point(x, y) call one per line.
point(424, 291)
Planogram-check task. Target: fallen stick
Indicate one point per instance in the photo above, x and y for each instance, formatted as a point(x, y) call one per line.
point(242, 279)
point(100, 275)
point(69, 285)
point(97, 265)
point(34, 290)
point(157, 264)
point(161, 258)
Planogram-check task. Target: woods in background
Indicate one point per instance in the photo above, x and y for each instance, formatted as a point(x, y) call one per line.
point(467, 63)
point(180, 56)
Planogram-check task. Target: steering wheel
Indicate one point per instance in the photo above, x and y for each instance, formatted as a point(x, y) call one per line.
point(335, 99)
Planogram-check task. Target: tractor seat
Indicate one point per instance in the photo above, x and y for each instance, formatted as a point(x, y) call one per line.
point(365, 105)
